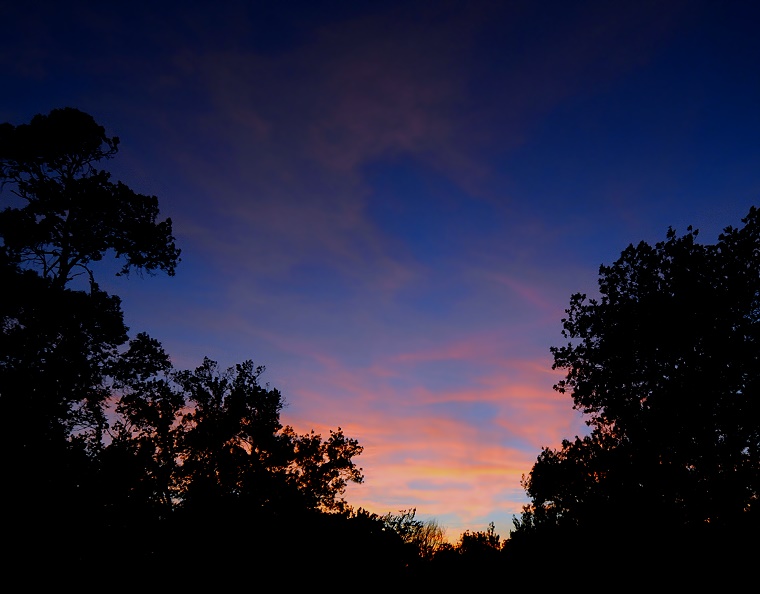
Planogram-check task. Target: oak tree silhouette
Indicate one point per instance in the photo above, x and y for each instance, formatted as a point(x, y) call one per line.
point(665, 363)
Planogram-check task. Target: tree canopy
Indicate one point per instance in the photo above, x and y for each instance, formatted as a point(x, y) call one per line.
point(58, 344)
point(72, 213)
point(101, 435)
point(210, 437)
point(665, 364)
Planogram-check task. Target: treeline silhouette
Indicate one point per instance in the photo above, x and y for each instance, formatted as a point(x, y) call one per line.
point(117, 466)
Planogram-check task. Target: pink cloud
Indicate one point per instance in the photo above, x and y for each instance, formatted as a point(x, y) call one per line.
point(530, 293)
point(415, 457)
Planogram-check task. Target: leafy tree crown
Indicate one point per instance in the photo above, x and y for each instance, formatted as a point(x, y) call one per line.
point(72, 213)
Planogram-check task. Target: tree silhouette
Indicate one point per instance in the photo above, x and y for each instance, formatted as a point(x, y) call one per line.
point(665, 365)
point(232, 445)
point(210, 437)
point(204, 452)
point(423, 538)
point(72, 213)
point(480, 543)
point(58, 345)
point(112, 455)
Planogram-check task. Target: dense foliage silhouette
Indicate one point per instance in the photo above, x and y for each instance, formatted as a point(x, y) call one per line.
point(664, 363)
point(108, 452)
point(209, 437)
point(72, 214)
point(58, 344)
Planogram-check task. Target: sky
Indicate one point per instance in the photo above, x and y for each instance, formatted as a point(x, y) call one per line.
point(389, 204)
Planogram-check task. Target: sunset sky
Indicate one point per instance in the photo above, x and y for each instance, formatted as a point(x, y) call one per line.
point(388, 204)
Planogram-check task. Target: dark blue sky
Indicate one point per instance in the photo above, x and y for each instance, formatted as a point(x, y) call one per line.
point(389, 204)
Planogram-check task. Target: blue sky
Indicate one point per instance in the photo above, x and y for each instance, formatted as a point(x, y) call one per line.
point(389, 204)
